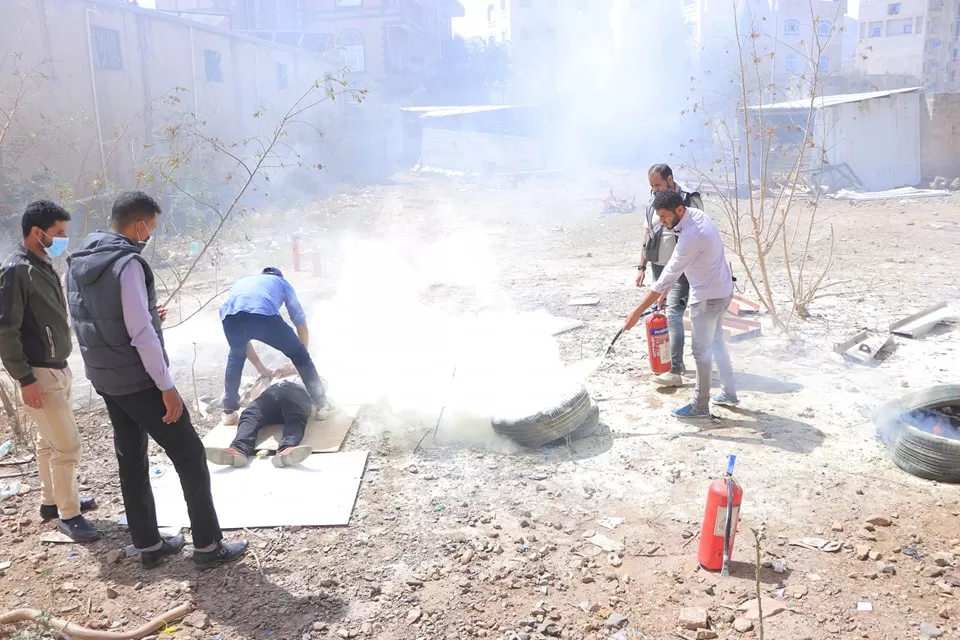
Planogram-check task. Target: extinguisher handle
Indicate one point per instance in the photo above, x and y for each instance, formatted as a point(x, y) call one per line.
point(731, 461)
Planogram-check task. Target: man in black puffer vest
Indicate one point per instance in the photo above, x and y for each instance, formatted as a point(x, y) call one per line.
point(113, 306)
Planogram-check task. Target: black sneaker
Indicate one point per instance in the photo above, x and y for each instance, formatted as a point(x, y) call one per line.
point(225, 552)
point(50, 512)
point(78, 529)
point(168, 547)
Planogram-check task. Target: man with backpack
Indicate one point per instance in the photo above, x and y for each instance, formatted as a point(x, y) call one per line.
point(658, 245)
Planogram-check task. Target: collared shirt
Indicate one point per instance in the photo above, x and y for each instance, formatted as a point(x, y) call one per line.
point(700, 256)
point(668, 239)
point(139, 324)
point(263, 295)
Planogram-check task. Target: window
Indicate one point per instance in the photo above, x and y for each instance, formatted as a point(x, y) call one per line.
point(211, 65)
point(876, 29)
point(824, 28)
point(691, 29)
point(503, 5)
point(283, 81)
point(893, 9)
point(791, 63)
point(936, 44)
point(918, 27)
point(824, 64)
point(526, 4)
point(526, 34)
point(689, 3)
point(348, 3)
point(490, 13)
point(863, 30)
point(503, 36)
point(955, 53)
point(900, 27)
point(791, 27)
point(106, 48)
point(352, 52)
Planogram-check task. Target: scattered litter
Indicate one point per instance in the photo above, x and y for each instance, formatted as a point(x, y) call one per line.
point(779, 566)
point(890, 194)
point(583, 301)
point(910, 552)
point(55, 537)
point(952, 578)
point(741, 306)
point(613, 204)
point(864, 606)
point(14, 462)
point(866, 347)
point(9, 490)
point(605, 543)
point(919, 324)
point(6, 448)
point(817, 544)
point(611, 522)
point(5, 565)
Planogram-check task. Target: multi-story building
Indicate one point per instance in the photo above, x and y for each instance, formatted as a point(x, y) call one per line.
point(391, 42)
point(913, 38)
point(794, 38)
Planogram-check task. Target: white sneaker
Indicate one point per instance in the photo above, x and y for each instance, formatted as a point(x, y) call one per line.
point(668, 379)
point(230, 418)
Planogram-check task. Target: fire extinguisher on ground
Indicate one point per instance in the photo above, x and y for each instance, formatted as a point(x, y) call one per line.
point(720, 518)
point(658, 342)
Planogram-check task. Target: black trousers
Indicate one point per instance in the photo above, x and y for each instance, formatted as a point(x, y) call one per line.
point(283, 403)
point(134, 417)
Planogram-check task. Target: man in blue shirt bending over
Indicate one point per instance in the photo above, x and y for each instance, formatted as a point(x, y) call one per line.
point(252, 312)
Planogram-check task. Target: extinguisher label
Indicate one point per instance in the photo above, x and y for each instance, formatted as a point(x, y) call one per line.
point(720, 529)
point(665, 352)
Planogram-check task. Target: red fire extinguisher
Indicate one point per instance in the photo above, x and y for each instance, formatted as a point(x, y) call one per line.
point(658, 342)
point(720, 518)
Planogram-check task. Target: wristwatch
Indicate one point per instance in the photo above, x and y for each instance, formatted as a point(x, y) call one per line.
point(642, 266)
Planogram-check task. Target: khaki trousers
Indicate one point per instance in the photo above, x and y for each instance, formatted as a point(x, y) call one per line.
point(58, 442)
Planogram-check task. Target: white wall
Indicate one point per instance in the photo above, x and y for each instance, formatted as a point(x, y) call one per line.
point(878, 139)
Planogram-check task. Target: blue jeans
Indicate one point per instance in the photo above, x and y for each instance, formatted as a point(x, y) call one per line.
point(240, 329)
point(676, 305)
point(706, 334)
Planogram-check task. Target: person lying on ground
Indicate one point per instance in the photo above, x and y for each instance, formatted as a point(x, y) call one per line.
point(283, 403)
point(35, 343)
point(699, 255)
point(252, 312)
point(113, 306)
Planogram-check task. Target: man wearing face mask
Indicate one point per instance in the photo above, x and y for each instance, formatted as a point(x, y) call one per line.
point(35, 343)
point(113, 305)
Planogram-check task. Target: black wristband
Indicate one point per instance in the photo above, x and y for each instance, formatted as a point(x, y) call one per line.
point(642, 267)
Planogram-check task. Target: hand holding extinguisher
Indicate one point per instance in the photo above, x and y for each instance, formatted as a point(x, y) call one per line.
point(720, 518)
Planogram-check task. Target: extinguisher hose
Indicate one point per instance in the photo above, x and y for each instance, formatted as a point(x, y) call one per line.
point(725, 570)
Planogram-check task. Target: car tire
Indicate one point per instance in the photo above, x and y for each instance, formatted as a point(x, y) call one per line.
point(550, 424)
point(589, 425)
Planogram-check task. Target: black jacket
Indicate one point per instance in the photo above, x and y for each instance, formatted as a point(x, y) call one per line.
point(34, 331)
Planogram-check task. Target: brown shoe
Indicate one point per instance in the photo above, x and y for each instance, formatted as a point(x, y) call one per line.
point(291, 456)
point(227, 457)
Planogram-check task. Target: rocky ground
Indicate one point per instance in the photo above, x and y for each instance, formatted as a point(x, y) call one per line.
point(597, 539)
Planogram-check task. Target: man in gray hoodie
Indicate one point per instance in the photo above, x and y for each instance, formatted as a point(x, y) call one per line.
point(113, 306)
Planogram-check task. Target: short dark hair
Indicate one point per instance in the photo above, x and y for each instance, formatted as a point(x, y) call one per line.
point(667, 199)
point(42, 214)
point(663, 170)
point(133, 206)
point(272, 271)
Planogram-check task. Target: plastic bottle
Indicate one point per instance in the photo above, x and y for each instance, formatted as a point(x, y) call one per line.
point(9, 490)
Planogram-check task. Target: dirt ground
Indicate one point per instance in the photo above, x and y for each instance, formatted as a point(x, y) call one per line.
point(455, 542)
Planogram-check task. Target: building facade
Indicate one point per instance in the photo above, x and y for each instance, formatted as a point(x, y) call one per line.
point(795, 38)
point(917, 39)
point(105, 76)
point(393, 43)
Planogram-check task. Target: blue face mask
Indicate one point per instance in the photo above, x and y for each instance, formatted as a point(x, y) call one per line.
point(57, 246)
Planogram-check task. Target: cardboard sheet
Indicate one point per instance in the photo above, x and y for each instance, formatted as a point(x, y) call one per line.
point(318, 493)
point(324, 436)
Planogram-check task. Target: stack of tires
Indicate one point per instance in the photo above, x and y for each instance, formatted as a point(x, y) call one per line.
point(919, 452)
point(576, 417)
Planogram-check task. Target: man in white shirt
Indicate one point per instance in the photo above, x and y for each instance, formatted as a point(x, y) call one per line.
point(700, 256)
point(658, 245)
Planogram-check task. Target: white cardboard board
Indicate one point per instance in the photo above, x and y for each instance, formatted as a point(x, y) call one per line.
point(318, 493)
